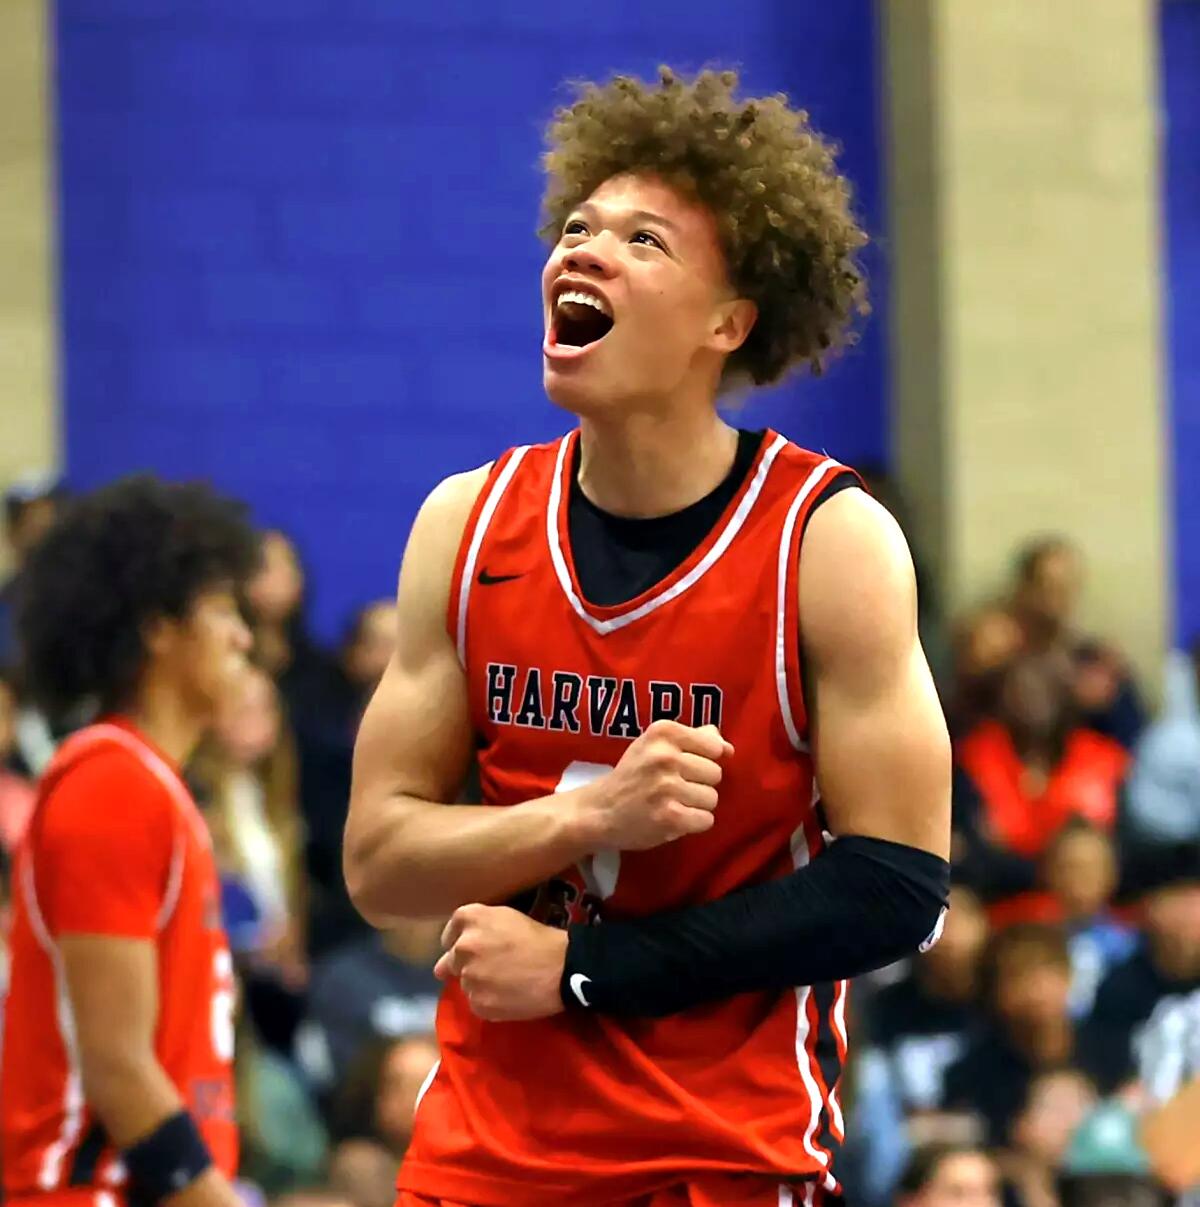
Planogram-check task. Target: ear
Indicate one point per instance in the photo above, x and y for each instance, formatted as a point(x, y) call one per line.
point(734, 322)
point(158, 635)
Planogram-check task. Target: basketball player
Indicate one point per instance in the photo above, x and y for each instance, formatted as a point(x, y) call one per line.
point(116, 1084)
point(661, 636)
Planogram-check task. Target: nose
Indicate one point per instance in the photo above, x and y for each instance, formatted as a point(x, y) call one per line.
point(591, 258)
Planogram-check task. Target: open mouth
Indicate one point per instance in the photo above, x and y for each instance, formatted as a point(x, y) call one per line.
point(580, 319)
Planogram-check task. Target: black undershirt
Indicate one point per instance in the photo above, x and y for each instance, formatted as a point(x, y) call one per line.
point(618, 557)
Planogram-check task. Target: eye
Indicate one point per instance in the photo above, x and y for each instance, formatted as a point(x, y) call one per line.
point(651, 240)
point(574, 227)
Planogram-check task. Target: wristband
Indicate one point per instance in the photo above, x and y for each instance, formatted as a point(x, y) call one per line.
point(166, 1161)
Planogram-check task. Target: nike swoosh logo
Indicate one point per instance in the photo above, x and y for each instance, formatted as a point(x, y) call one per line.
point(490, 580)
point(577, 982)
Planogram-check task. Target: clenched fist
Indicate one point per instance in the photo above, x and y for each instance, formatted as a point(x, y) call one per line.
point(664, 787)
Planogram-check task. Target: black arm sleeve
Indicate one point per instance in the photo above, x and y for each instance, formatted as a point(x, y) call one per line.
point(860, 905)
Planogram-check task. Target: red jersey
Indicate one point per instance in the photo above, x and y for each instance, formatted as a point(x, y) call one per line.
point(115, 846)
point(586, 1109)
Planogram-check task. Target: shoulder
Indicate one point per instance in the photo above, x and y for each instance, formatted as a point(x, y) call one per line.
point(106, 790)
point(857, 583)
point(453, 498)
point(437, 533)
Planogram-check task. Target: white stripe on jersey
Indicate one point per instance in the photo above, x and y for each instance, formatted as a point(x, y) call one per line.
point(50, 1174)
point(782, 636)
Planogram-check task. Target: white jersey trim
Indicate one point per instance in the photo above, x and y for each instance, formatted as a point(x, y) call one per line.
point(816, 1103)
point(781, 634)
point(437, 1064)
point(50, 1173)
point(710, 559)
point(839, 1027)
point(481, 526)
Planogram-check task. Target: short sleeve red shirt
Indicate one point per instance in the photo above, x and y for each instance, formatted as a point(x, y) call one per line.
point(115, 846)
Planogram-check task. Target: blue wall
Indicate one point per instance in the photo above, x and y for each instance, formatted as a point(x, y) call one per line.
point(297, 239)
point(1181, 88)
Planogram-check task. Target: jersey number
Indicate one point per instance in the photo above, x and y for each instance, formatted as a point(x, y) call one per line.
point(224, 1004)
point(600, 870)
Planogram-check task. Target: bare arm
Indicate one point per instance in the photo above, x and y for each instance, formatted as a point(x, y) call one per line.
point(881, 745)
point(113, 987)
point(406, 852)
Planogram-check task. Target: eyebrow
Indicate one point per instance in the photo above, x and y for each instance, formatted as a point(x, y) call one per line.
point(636, 216)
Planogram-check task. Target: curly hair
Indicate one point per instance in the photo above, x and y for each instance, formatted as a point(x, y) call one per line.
point(783, 212)
point(132, 552)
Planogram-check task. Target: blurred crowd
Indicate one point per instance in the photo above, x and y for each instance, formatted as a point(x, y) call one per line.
point(1017, 1061)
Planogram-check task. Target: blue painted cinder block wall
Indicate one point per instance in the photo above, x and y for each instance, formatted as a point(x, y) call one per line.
point(1181, 176)
point(298, 250)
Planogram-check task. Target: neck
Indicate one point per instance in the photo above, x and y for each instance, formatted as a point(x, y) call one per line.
point(162, 715)
point(649, 465)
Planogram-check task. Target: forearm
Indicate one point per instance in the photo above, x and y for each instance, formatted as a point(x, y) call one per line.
point(133, 1098)
point(860, 906)
point(419, 859)
point(131, 1095)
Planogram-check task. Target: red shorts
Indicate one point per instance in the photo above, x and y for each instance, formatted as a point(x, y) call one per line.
point(717, 1191)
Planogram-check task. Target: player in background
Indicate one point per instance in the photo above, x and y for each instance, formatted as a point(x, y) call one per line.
point(116, 1085)
point(686, 657)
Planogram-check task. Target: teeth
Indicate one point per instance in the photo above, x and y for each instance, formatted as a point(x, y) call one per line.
point(584, 299)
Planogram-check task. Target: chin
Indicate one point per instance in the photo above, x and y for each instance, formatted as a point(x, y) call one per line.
point(573, 393)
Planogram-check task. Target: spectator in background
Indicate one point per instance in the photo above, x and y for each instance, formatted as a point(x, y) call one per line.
point(1105, 1165)
point(373, 1119)
point(1146, 1019)
point(1056, 1105)
point(985, 645)
point(326, 719)
point(917, 1027)
point(1164, 788)
point(31, 505)
point(363, 1173)
point(395, 994)
point(1028, 1028)
point(311, 1198)
point(16, 791)
point(1049, 581)
point(282, 644)
point(943, 1175)
point(1080, 871)
point(246, 778)
point(1020, 778)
